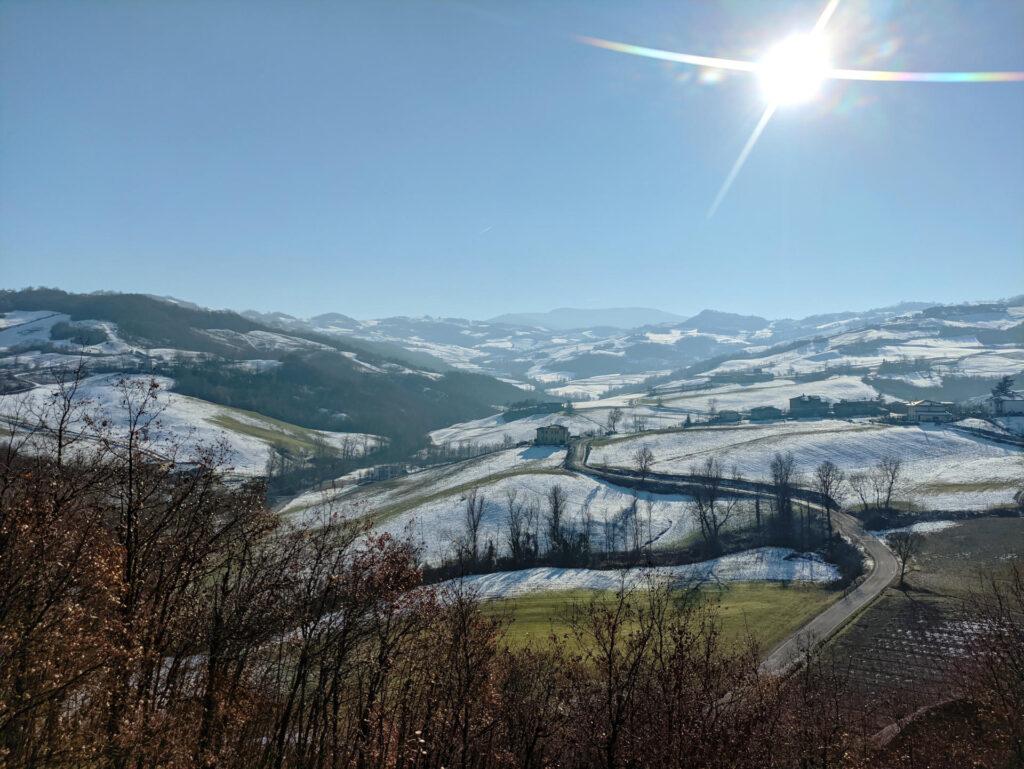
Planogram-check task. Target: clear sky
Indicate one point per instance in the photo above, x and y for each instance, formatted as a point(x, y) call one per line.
point(472, 158)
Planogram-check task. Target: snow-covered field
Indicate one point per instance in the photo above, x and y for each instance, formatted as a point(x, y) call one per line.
point(667, 409)
point(493, 429)
point(359, 501)
point(774, 393)
point(959, 355)
point(181, 418)
point(1014, 424)
point(436, 524)
point(20, 327)
point(429, 506)
point(774, 564)
point(925, 527)
point(596, 386)
point(34, 328)
point(946, 469)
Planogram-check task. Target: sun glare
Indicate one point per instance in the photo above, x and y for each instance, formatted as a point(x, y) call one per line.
point(792, 72)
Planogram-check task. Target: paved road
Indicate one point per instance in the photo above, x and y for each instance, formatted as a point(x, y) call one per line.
point(790, 651)
point(883, 569)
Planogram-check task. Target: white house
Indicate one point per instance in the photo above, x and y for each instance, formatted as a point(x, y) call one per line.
point(929, 411)
point(1011, 406)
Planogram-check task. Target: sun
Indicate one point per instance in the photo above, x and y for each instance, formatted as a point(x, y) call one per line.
point(792, 71)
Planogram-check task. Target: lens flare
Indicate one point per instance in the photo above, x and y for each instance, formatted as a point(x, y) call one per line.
point(792, 72)
point(873, 75)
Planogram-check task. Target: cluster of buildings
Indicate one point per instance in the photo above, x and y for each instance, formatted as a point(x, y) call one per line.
point(808, 407)
point(816, 407)
point(920, 411)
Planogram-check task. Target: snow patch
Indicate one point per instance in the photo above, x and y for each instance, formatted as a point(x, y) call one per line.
point(766, 564)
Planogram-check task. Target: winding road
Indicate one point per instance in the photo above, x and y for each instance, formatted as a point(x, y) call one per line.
point(788, 653)
point(882, 569)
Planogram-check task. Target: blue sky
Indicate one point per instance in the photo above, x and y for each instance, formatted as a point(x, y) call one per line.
point(471, 158)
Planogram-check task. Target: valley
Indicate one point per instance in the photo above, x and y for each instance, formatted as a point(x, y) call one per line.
point(425, 431)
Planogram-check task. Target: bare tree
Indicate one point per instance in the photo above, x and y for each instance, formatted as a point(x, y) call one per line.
point(860, 483)
point(829, 481)
point(711, 508)
point(649, 510)
point(614, 417)
point(555, 524)
point(639, 423)
point(888, 477)
point(905, 545)
point(631, 524)
point(518, 535)
point(643, 459)
point(608, 528)
point(586, 526)
point(473, 517)
point(783, 470)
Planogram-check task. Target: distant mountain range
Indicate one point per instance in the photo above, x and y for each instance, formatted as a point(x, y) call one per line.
point(567, 318)
point(565, 345)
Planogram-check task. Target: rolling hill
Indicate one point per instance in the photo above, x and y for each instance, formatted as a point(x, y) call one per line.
point(305, 378)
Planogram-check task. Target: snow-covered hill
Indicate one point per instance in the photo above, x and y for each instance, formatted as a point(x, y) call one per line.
point(317, 381)
point(945, 468)
point(246, 438)
point(586, 362)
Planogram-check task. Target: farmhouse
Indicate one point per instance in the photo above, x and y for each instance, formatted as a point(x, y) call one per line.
point(929, 411)
point(764, 413)
point(808, 406)
point(552, 435)
point(858, 408)
point(1012, 405)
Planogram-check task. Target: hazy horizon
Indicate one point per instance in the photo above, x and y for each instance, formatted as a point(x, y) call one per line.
point(684, 314)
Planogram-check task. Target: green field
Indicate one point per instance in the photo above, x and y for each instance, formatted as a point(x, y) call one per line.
point(280, 434)
point(765, 611)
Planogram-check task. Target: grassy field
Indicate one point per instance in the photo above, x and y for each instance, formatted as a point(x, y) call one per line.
point(767, 611)
point(280, 434)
